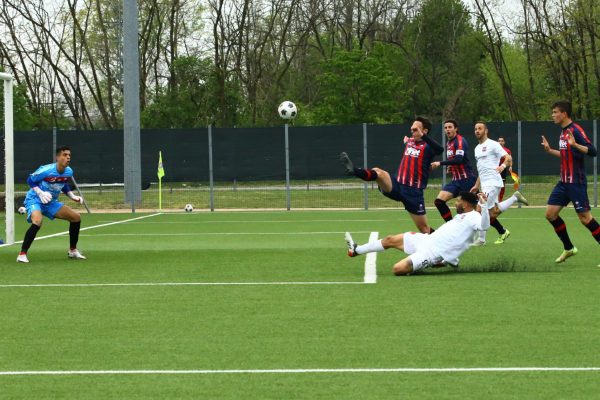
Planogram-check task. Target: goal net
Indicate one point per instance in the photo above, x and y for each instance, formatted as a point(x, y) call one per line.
point(7, 196)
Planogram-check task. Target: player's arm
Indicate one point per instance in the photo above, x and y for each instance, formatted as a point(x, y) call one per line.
point(435, 146)
point(582, 144)
point(549, 149)
point(475, 187)
point(67, 190)
point(507, 163)
point(33, 181)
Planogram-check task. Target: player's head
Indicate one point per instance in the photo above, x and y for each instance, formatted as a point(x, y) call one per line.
point(561, 111)
point(481, 131)
point(63, 155)
point(420, 126)
point(451, 128)
point(501, 141)
point(465, 202)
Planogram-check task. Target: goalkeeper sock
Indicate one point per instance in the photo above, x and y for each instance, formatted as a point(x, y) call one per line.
point(370, 247)
point(365, 174)
point(444, 210)
point(74, 234)
point(505, 205)
point(496, 224)
point(594, 228)
point(29, 237)
point(561, 231)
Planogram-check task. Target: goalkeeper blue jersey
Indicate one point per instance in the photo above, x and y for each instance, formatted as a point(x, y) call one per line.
point(49, 180)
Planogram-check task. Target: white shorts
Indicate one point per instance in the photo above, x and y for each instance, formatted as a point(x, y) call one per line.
point(418, 248)
point(492, 195)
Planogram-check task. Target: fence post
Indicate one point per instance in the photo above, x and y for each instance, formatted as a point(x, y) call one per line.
point(444, 156)
point(210, 169)
point(54, 145)
point(596, 164)
point(287, 169)
point(365, 148)
point(519, 154)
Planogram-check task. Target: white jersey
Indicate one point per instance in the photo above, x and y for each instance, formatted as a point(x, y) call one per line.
point(488, 155)
point(454, 237)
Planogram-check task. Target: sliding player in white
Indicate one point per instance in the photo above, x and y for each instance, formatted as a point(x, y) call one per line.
point(42, 200)
point(444, 246)
point(488, 154)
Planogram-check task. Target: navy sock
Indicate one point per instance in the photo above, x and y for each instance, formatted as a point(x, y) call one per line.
point(365, 174)
point(561, 231)
point(594, 227)
point(496, 224)
point(443, 208)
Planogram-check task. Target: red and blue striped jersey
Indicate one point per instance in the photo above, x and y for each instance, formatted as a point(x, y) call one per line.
point(572, 168)
point(457, 158)
point(416, 162)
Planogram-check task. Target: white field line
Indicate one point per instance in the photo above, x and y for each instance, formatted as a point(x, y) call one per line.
point(371, 262)
point(67, 285)
point(259, 221)
point(218, 233)
point(302, 371)
point(86, 228)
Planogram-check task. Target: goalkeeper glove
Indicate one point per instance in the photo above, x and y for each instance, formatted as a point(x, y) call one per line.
point(74, 197)
point(45, 197)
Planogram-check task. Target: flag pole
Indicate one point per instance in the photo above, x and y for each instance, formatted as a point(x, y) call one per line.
point(160, 173)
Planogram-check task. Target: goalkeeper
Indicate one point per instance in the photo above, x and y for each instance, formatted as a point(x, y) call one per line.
point(42, 200)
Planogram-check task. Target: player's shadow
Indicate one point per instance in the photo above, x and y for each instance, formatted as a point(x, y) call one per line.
point(500, 265)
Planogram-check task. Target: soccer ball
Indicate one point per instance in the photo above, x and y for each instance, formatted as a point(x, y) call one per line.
point(188, 208)
point(287, 110)
point(22, 210)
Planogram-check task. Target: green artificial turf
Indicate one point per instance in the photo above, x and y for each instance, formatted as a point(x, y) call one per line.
point(506, 306)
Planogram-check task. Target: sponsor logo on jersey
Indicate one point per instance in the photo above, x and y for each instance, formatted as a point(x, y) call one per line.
point(412, 152)
point(563, 144)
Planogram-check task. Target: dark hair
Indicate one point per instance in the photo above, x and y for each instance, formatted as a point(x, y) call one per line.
point(501, 137)
point(426, 123)
point(60, 149)
point(563, 106)
point(469, 197)
point(451, 121)
point(482, 123)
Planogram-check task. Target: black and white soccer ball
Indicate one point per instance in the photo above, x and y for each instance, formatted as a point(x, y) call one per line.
point(287, 110)
point(22, 210)
point(188, 208)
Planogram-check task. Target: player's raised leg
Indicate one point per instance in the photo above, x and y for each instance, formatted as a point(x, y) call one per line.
point(560, 228)
point(68, 214)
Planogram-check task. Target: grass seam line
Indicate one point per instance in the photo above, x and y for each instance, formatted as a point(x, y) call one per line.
point(304, 371)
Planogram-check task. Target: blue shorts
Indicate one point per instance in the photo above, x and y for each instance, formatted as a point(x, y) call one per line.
point(459, 185)
point(48, 210)
point(411, 197)
point(563, 193)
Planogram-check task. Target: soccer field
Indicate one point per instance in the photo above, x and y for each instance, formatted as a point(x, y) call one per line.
point(267, 305)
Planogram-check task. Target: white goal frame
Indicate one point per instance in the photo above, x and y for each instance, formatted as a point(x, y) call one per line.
point(9, 168)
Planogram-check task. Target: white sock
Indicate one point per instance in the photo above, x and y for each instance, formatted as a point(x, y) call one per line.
point(505, 205)
point(482, 236)
point(370, 247)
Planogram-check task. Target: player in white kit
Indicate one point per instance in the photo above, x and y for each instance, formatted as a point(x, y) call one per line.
point(488, 154)
point(442, 247)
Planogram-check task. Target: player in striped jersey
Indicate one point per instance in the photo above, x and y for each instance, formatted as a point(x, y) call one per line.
point(463, 178)
point(411, 179)
point(46, 183)
point(573, 146)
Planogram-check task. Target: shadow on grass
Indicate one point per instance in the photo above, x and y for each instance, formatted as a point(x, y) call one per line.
point(498, 265)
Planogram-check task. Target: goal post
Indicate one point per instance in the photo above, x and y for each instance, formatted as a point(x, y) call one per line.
point(9, 172)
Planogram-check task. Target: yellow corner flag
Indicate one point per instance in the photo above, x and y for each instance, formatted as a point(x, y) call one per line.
point(161, 170)
point(516, 180)
point(160, 173)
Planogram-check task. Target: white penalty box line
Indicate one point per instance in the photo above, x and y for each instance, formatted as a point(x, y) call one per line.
point(306, 371)
point(86, 228)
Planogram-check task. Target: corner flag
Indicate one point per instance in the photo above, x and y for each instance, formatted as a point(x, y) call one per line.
point(161, 170)
point(515, 179)
point(160, 173)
